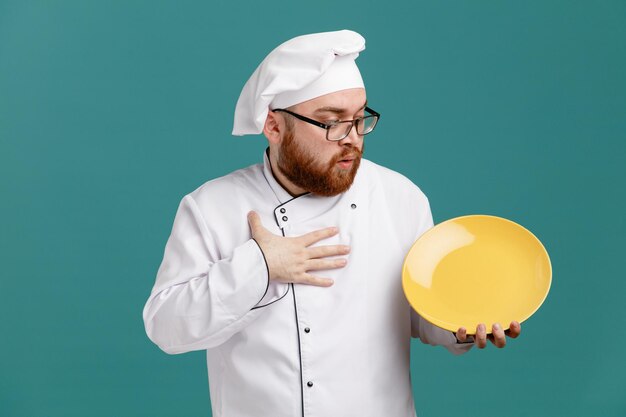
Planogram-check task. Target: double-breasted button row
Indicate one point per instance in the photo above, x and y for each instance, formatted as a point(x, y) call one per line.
point(310, 383)
point(282, 215)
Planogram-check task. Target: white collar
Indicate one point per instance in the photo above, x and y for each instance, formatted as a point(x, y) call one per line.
point(292, 210)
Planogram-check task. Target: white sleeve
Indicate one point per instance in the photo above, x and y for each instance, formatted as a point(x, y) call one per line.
point(430, 334)
point(198, 301)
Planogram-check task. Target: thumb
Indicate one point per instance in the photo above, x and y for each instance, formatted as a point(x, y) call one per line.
point(256, 227)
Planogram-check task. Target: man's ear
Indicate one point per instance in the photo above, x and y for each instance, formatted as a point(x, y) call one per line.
point(272, 128)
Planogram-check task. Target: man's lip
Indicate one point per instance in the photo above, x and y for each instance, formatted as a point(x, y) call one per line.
point(348, 159)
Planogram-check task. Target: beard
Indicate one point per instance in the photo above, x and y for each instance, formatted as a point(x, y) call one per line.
point(305, 171)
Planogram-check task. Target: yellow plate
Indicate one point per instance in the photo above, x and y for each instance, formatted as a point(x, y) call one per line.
point(476, 269)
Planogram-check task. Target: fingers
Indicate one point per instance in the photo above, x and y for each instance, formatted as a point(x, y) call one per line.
point(316, 281)
point(318, 264)
point(480, 340)
point(498, 338)
point(313, 237)
point(326, 251)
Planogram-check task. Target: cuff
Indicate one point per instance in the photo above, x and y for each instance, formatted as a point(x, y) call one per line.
point(274, 291)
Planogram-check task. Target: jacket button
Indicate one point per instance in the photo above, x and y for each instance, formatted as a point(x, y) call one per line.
point(353, 205)
point(307, 330)
point(309, 384)
point(285, 218)
point(282, 210)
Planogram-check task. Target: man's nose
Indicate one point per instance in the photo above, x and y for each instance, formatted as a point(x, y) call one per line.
point(352, 138)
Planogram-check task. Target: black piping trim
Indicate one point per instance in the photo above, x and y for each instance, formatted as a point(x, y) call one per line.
point(268, 272)
point(286, 202)
point(295, 309)
point(278, 299)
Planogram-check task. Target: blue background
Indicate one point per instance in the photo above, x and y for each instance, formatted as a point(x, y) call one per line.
point(111, 111)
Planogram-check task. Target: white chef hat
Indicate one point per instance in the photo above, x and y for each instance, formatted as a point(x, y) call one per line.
point(298, 70)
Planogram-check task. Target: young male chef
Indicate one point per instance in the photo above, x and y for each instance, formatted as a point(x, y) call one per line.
point(288, 272)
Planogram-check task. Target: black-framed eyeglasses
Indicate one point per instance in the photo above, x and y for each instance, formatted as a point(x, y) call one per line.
point(335, 131)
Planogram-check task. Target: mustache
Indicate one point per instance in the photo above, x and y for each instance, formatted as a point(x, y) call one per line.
point(355, 152)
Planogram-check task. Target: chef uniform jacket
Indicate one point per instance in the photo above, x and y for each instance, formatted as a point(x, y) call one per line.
point(284, 350)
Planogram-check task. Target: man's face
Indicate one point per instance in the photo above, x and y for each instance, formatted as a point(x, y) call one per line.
point(310, 161)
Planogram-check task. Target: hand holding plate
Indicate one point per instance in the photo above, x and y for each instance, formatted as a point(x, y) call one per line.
point(497, 336)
